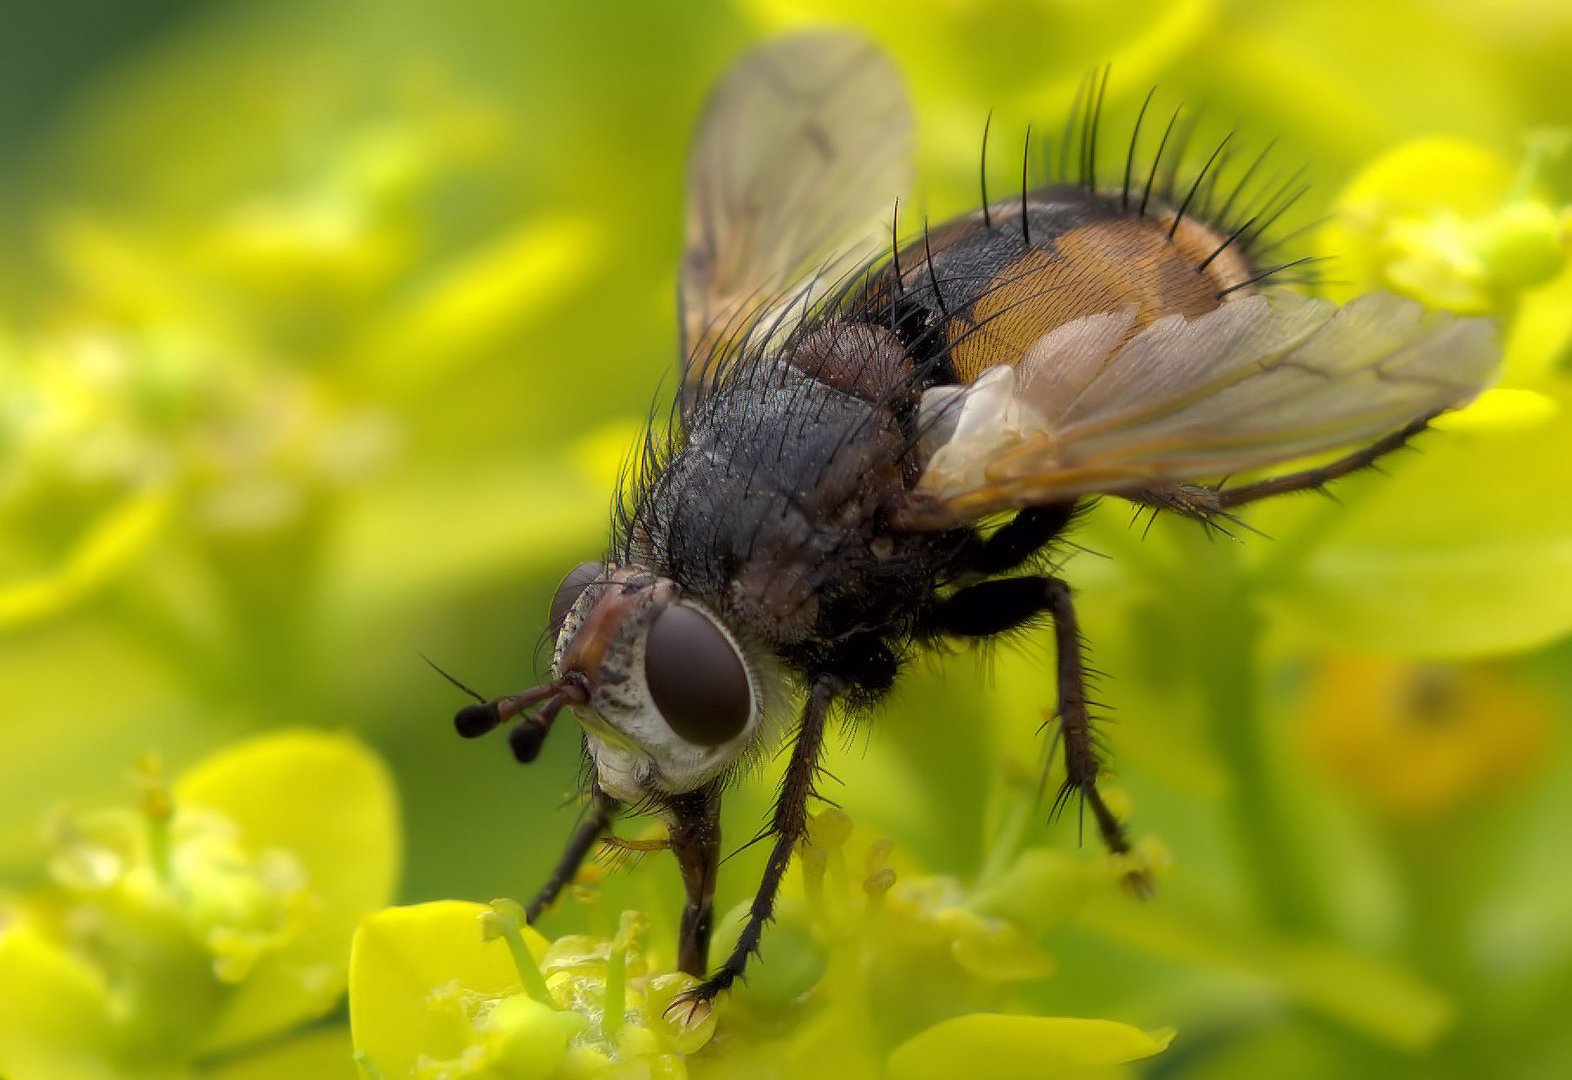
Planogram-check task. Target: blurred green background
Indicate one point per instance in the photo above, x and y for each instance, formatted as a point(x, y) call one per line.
point(323, 329)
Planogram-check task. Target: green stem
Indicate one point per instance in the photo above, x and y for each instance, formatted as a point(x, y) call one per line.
point(158, 846)
point(1230, 671)
point(616, 990)
point(630, 930)
point(504, 921)
point(1439, 869)
point(1020, 802)
point(157, 812)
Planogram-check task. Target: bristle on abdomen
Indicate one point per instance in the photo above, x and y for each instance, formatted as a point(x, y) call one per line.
point(1171, 237)
point(1238, 205)
point(1067, 253)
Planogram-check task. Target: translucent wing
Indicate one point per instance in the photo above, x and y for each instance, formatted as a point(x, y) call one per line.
point(802, 151)
point(1260, 380)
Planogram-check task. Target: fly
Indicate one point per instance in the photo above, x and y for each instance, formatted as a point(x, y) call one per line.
point(850, 416)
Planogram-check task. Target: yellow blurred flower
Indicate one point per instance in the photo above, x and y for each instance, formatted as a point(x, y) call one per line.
point(866, 972)
point(1420, 742)
point(213, 917)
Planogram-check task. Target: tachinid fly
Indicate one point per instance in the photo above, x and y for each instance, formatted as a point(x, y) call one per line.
point(850, 413)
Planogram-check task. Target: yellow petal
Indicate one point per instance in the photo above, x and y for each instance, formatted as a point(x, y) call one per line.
point(1503, 408)
point(54, 1011)
point(345, 835)
point(411, 968)
point(1003, 1047)
point(319, 1054)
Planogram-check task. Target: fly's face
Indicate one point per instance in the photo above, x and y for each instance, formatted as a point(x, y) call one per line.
point(667, 694)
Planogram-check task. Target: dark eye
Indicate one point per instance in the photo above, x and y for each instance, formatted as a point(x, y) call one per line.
point(568, 592)
point(696, 677)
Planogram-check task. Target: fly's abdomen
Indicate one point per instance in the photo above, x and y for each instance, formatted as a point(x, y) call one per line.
point(991, 289)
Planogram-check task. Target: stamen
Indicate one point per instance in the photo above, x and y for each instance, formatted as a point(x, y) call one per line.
point(504, 921)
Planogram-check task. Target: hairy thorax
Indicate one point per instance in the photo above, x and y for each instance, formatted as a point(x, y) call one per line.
point(773, 509)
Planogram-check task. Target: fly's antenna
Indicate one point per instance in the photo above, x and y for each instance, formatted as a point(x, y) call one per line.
point(473, 721)
point(982, 172)
point(451, 678)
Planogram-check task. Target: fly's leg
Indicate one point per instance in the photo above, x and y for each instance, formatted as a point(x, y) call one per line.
point(603, 808)
point(1203, 503)
point(788, 825)
point(1016, 540)
point(1081, 762)
point(993, 607)
point(694, 826)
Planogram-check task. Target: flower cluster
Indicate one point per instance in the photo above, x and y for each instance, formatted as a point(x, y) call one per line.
point(199, 925)
point(869, 971)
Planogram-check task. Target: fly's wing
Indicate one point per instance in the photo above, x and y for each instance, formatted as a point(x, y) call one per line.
point(802, 151)
point(1260, 380)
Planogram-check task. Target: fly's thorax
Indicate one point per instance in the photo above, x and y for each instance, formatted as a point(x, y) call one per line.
point(776, 493)
point(863, 359)
point(672, 696)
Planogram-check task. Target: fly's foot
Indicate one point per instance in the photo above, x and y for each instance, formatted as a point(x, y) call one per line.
point(694, 1006)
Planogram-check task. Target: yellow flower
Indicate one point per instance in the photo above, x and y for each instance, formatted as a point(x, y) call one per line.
point(213, 917)
point(1419, 742)
point(1442, 219)
point(866, 972)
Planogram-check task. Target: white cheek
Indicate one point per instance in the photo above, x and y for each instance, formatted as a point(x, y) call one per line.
point(669, 762)
point(619, 770)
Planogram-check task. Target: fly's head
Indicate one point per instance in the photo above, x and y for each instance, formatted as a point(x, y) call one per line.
point(668, 696)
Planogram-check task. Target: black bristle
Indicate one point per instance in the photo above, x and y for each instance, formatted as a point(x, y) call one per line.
point(982, 172)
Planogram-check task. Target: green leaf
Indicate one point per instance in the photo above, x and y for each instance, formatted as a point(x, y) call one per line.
point(1001, 1047)
point(122, 534)
point(1042, 889)
point(1465, 549)
point(1375, 997)
point(319, 1054)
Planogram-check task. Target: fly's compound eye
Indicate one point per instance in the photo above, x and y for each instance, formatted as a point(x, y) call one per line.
point(568, 593)
point(696, 677)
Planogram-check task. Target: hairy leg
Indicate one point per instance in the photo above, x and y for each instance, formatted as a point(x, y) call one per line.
point(993, 607)
point(1016, 540)
point(788, 826)
point(1202, 503)
point(602, 809)
point(694, 825)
